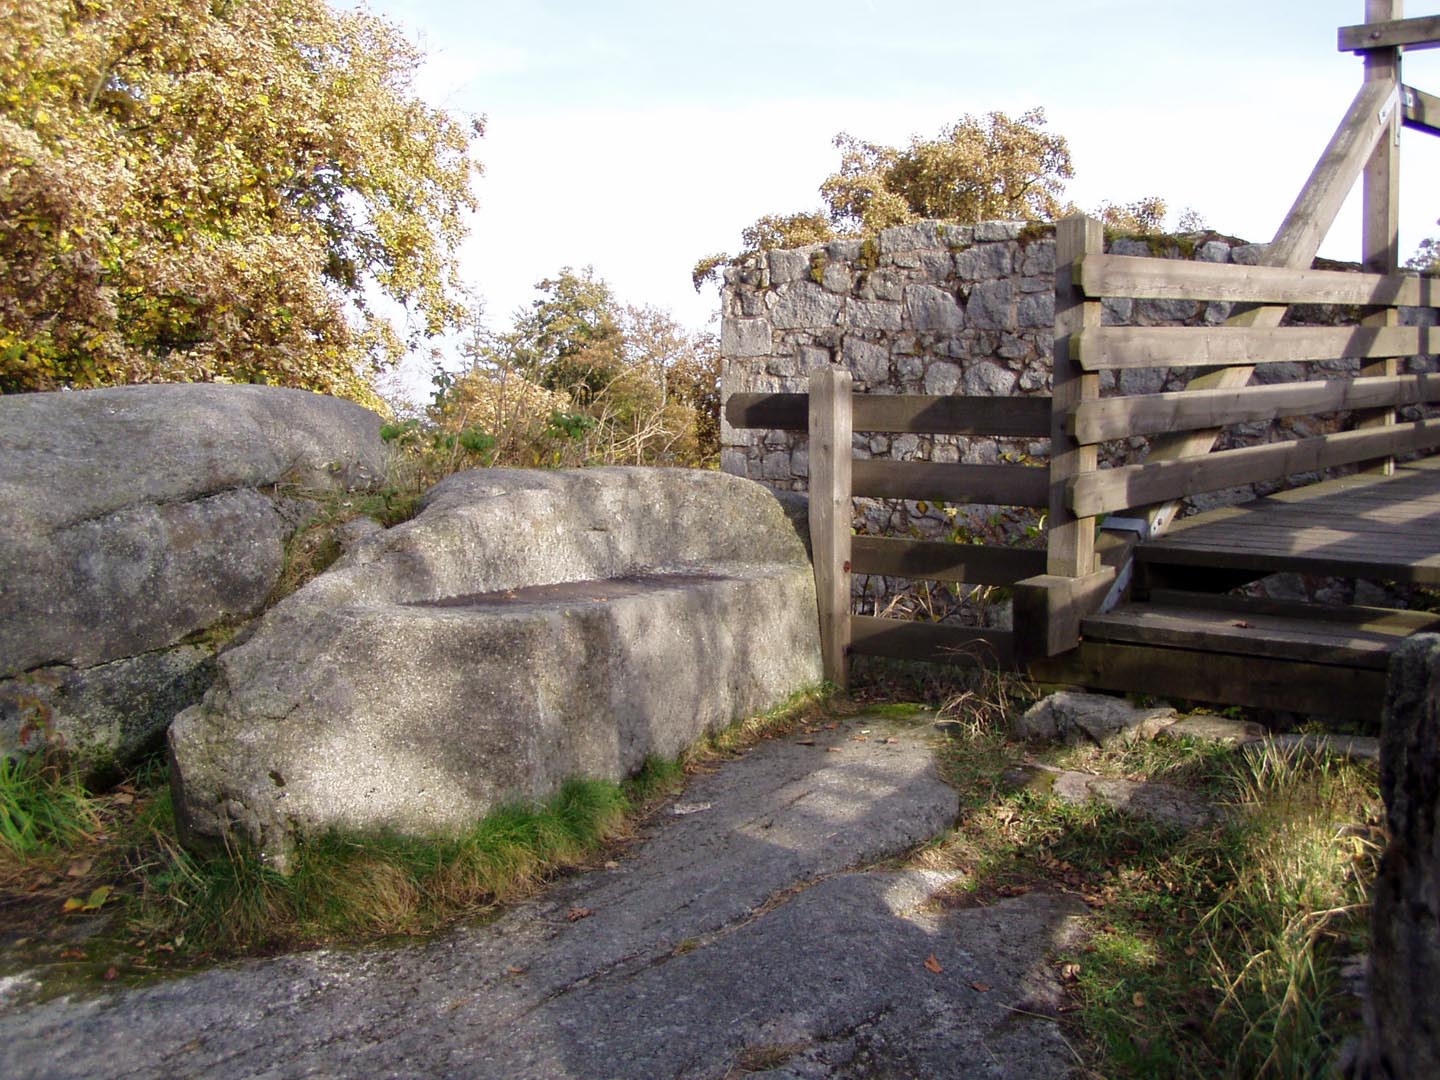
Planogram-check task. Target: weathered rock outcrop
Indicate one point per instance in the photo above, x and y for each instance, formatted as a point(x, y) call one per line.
point(524, 628)
point(1402, 1009)
point(135, 517)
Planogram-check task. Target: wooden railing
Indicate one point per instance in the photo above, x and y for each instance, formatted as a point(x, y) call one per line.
point(831, 413)
point(1091, 420)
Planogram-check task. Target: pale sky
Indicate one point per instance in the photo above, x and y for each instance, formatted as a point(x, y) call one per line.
point(637, 136)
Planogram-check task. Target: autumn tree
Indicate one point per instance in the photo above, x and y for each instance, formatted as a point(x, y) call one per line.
point(581, 378)
point(213, 189)
point(975, 169)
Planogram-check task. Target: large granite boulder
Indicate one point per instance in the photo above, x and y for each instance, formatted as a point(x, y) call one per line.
point(524, 628)
point(1402, 1007)
point(135, 518)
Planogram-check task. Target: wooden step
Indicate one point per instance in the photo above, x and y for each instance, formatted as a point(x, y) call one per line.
point(1356, 637)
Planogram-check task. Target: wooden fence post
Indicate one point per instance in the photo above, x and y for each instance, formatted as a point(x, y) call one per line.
point(830, 514)
point(1380, 244)
point(1071, 543)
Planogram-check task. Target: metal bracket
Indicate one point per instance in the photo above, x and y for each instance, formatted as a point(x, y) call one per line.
point(1139, 526)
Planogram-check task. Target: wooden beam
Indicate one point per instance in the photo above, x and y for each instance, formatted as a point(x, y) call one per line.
point(932, 642)
point(1070, 544)
point(1001, 485)
point(1219, 678)
point(830, 514)
point(1115, 347)
point(1172, 279)
point(1184, 410)
point(774, 412)
point(1285, 635)
point(1421, 110)
point(1294, 246)
point(1380, 211)
point(1418, 33)
point(937, 414)
point(1129, 486)
point(932, 560)
point(1047, 610)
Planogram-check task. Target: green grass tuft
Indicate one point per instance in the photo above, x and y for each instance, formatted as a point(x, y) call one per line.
point(42, 807)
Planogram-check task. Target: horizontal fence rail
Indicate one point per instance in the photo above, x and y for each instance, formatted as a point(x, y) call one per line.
point(934, 560)
point(1187, 410)
point(1138, 277)
point(1109, 490)
point(1119, 347)
point(1018, 417)
point(904, 640)
point(933, 481)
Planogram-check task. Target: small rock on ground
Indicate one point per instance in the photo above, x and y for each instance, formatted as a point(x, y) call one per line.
point(1165, 804)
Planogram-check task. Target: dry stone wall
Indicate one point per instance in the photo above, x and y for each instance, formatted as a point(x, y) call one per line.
point(936, 308)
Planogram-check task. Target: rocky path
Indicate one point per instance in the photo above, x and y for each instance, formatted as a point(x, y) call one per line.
point(740, 936)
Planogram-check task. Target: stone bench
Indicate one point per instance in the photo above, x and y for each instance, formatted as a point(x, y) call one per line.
point(526, 627)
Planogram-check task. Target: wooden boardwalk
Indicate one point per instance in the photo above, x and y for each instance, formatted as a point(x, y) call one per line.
point(1180, 634)
point(1366, 526)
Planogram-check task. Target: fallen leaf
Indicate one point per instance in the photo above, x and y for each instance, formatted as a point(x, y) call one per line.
point(72, 954)
point(111, 974)
point(983, 988)
point(859, 738)
point(513, 970)
point(575, 914)
point(1137, 999)
point(1069, 972)
point(932, 964)
point(611, 864)
point(1191, 950)
point(79, 867)
point(123, 798)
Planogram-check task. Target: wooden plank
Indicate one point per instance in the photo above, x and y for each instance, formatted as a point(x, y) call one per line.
point(775, 412)
point(1294, 246)
point(1392, 622)
point(1221, 679)
point(1183, 410)
point(1418, 33)
point(973, 564)
point(1070, 544)
point(938, 414)
point(1421, 110)
point(931, 642)
point(1002, 485)
point(1047, 610)
point(1117, 347)
point(1286, 637)
point(830, 514)
point(1380, 213)
point(1138, 485)
point(953, 414)
point(1137, 276)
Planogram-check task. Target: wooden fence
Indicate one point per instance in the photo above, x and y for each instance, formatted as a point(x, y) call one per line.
point(1084, 567)
point(831, 414)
